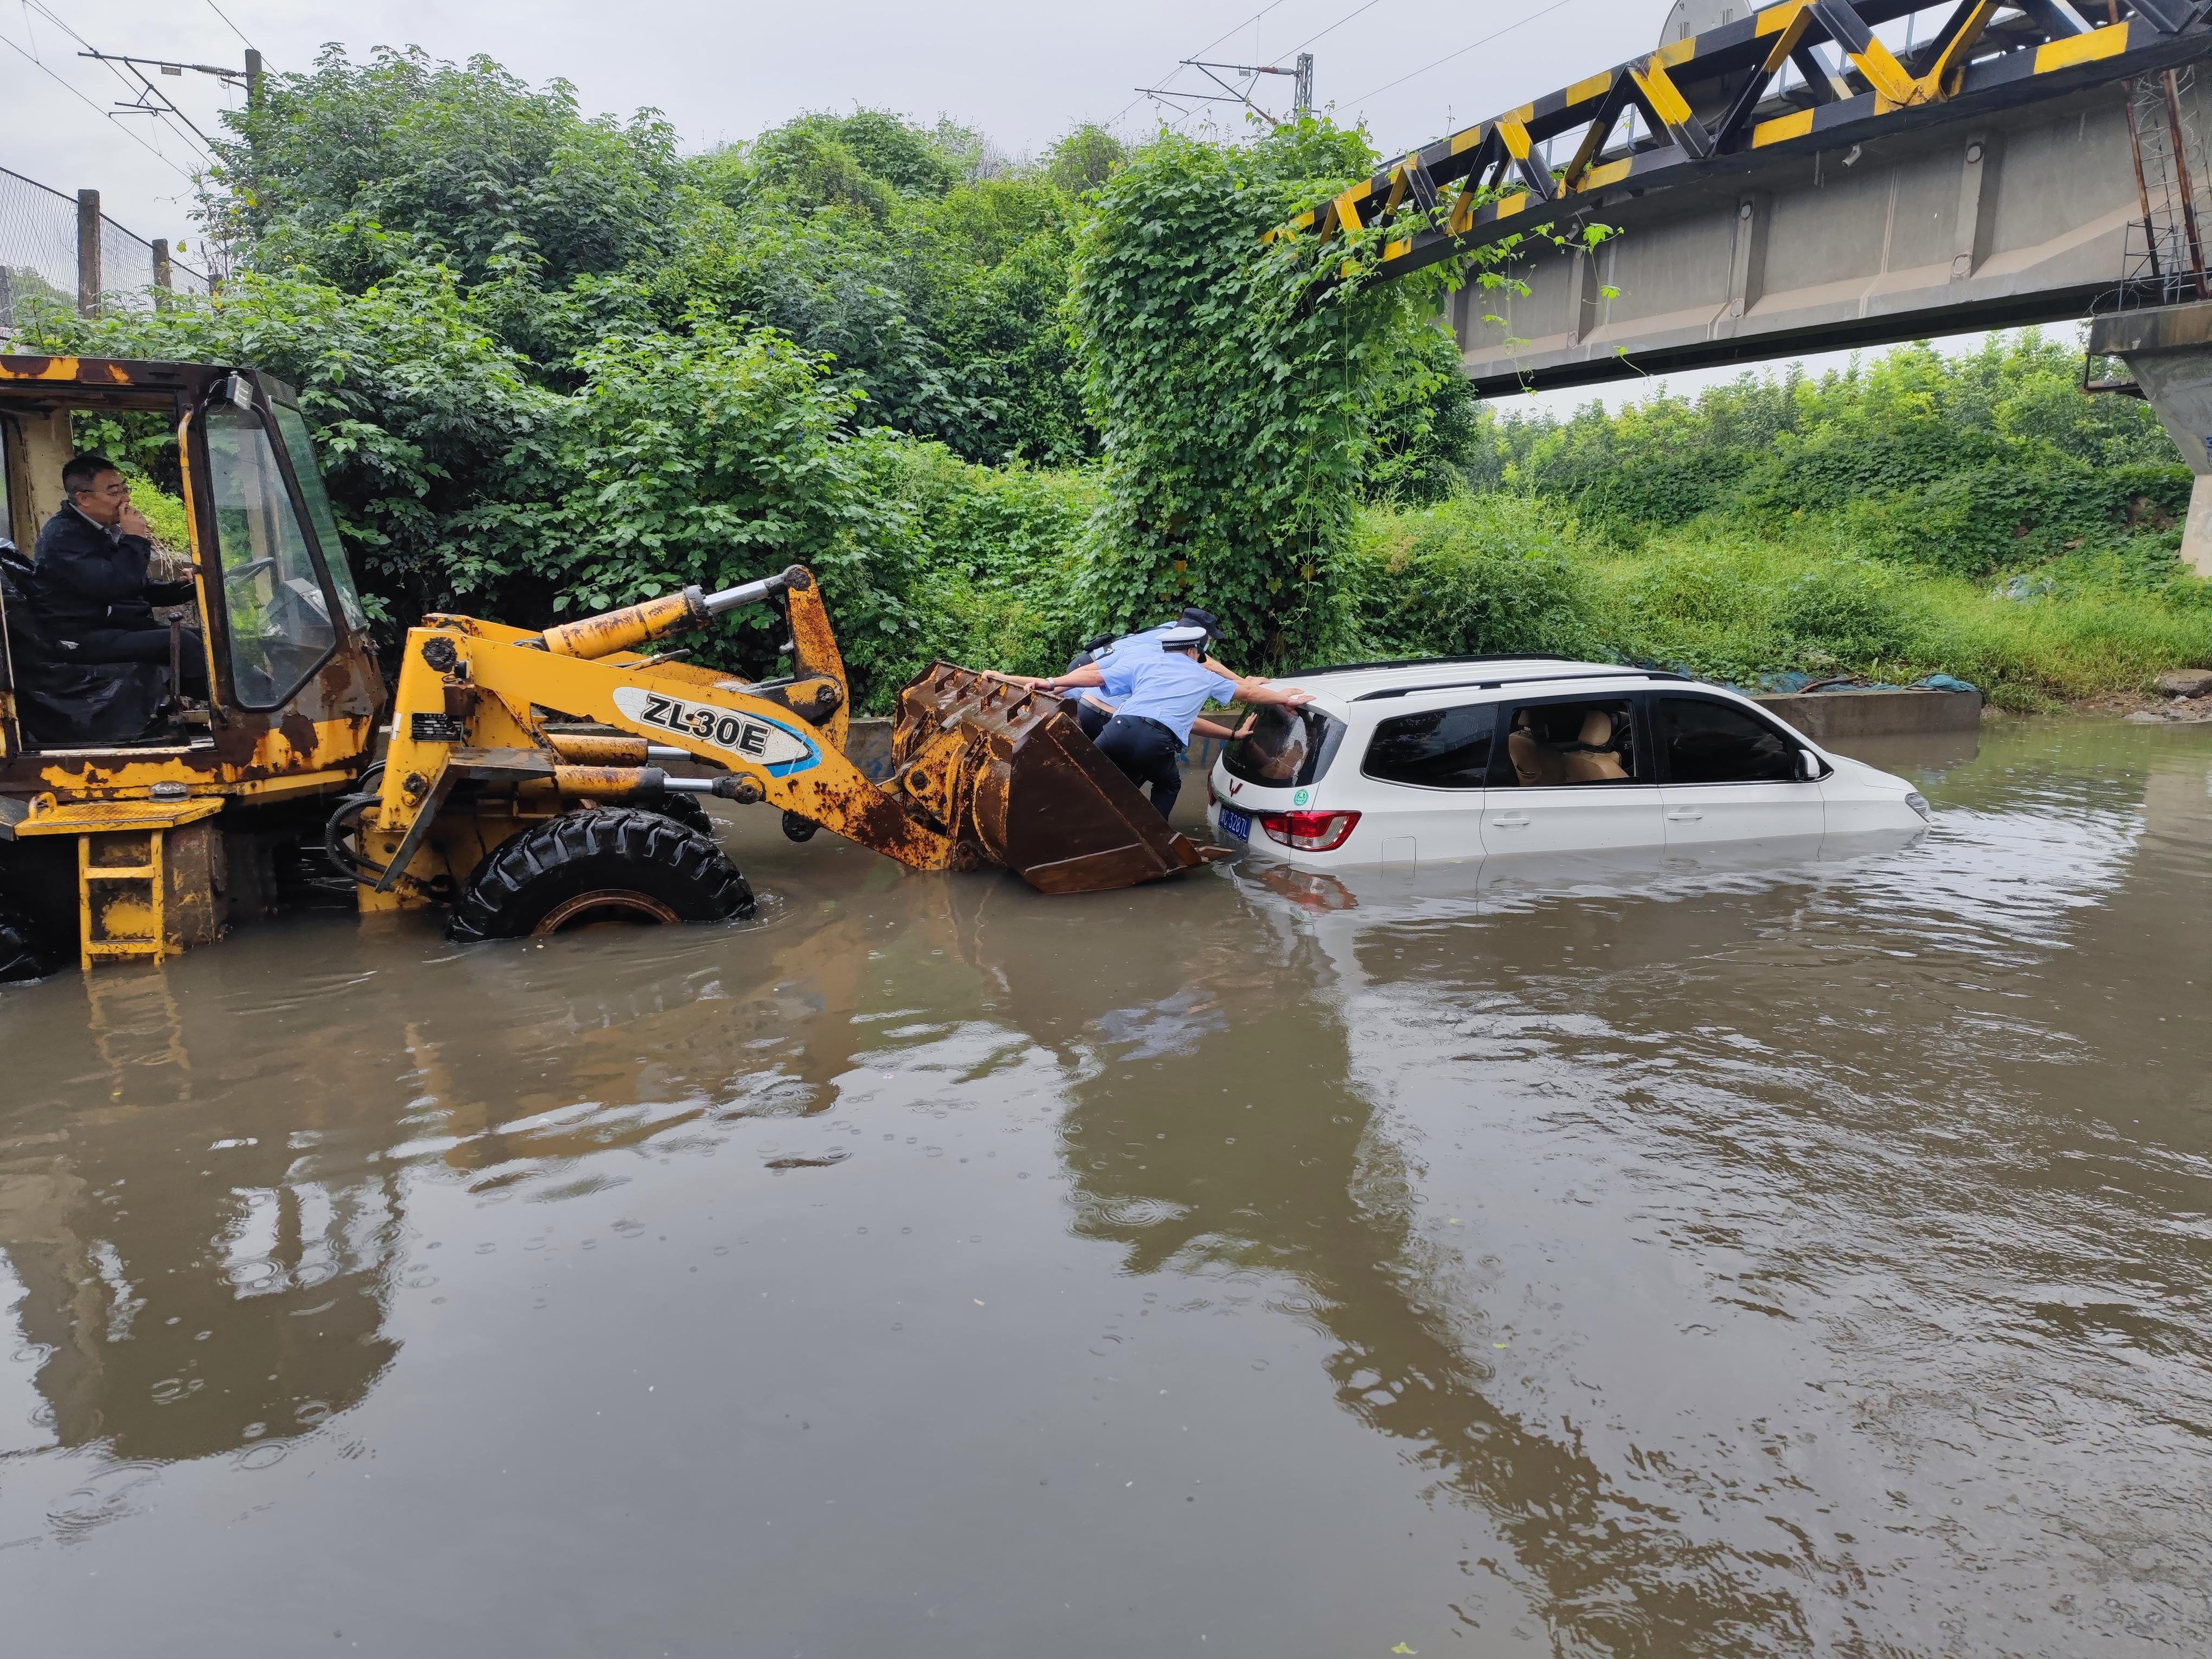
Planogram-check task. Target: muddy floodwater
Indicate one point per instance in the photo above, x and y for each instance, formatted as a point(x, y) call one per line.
point(1798, 1254)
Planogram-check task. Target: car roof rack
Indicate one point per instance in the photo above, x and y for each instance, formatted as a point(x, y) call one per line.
point(1439, 662)
point(1593, 673)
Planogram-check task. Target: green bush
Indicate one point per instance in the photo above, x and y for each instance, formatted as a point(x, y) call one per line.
point(1474, 575)
point(1737, 607)
point(1970, 464)
point(1848, 610)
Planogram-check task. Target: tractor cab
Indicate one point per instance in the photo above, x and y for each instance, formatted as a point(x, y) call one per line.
point(115, 762)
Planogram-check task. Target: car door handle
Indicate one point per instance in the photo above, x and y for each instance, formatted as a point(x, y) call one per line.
point(1684, 814)
point(1514, 821)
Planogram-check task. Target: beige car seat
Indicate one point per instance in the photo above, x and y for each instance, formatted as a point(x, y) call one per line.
point(1596, 764)
point(1533, 765)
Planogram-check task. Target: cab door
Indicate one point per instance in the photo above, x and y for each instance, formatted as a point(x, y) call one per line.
point(1730, 774)
point(1570, 775)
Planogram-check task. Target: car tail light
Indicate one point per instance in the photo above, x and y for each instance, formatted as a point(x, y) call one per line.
point(1310, 832)
point(1212, 799)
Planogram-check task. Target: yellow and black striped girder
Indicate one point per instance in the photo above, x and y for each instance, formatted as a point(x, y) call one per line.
point(1714, 103)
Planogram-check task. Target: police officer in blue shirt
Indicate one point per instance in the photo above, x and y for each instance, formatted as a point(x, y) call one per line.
point(1146, 736)
point(1117, 659)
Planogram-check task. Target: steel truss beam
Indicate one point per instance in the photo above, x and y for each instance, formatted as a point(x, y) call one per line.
point(1715, 103)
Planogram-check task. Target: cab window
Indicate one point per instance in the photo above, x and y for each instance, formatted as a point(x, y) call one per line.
point(299, 450)
point(1551, 744)
point(277, 620)
point(1706, 741)
point(1437, 748)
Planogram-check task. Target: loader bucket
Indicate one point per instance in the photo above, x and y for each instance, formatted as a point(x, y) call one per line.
point(1011, 776)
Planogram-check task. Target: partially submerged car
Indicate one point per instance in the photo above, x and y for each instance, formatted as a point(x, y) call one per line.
point(1469, 758)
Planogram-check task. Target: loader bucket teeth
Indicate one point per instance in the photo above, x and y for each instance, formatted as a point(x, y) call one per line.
point(1008, 774)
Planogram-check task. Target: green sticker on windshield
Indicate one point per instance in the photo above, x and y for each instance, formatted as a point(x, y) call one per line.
point(1302, 798)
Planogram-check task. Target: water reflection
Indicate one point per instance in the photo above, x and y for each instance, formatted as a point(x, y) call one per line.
point(214, 1275)
point(1261, 1172)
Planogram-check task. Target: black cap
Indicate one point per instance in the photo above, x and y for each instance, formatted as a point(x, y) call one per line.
point(1194, 617)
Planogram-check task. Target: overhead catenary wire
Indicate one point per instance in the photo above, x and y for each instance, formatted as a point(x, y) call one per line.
point(1337, 25)
point(1439, 62)
point(138, 139)
point(63, 24)
point(1201, 51)
point(227, 24)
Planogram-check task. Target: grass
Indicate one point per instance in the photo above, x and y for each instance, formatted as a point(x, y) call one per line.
point(1730, 601)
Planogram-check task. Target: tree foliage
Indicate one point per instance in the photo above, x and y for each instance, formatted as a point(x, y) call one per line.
point(1970, 463)
point(1250, 388)
point(352, 171)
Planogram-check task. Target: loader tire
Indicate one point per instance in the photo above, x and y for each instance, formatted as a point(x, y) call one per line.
point(609, 863)
point(681, 809)
point(23, 955)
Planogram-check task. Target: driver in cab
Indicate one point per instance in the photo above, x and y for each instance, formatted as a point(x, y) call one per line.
point(93, 596)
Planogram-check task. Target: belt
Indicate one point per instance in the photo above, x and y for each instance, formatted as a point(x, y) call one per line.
point(1161, 726)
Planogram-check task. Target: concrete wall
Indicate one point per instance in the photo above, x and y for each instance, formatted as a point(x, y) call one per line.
point(1840, 716)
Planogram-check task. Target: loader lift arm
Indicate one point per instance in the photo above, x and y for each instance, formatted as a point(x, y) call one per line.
point(474, 700)
point(490, 802)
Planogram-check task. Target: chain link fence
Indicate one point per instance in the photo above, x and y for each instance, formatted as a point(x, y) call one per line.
point(40, 267)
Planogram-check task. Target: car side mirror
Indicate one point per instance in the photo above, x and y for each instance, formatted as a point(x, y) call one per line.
point(1809, 765)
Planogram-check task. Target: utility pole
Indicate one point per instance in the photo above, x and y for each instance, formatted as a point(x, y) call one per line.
point(1305, 85)
point(88, 283)
point(253, 78)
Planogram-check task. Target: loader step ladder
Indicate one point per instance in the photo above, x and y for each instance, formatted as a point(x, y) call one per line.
point(123, 886)
point(125, 859)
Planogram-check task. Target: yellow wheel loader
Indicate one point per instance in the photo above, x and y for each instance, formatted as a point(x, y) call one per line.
point(525, 783)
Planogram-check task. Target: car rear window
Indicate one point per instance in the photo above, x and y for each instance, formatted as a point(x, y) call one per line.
point(1289, 748)
point(1436, 749)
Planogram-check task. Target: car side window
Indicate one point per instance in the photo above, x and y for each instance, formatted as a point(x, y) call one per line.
point(1707, 741)
point(1437, 748)
point(1550, 744)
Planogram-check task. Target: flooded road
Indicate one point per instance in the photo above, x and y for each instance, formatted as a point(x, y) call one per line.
point(1811, 1255)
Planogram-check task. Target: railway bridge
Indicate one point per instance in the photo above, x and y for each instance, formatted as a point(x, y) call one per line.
point(1828, 173)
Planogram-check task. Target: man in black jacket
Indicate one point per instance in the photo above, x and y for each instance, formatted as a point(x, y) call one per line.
point(92, 595)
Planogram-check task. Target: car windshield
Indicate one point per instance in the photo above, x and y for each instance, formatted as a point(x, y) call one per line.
point(1288, 748)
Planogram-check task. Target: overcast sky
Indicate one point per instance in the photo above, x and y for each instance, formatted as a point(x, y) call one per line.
point(1021, 73)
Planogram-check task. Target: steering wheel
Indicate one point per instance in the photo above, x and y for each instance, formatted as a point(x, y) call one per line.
point(248, 571)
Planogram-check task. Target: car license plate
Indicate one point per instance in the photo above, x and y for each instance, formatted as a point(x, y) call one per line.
point(1237, 826)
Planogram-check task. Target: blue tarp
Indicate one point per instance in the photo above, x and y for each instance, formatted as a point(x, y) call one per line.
point(1794, 684)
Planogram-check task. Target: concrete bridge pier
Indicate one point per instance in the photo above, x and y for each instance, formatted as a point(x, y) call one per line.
point(2169, 349)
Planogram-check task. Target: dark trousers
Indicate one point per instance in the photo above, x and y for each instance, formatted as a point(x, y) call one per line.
point(1146, 752)
point(1091, 718)
point(145, 645)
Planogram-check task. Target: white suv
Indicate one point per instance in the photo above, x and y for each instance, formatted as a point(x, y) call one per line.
point(1470, 757)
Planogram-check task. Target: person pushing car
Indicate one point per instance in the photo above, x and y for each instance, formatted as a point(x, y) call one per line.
point(1117, 657)
point(1151, 725)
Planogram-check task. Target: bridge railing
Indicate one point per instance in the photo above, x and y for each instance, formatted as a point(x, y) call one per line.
point(1800, 77)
